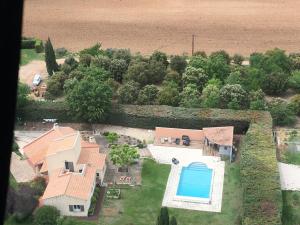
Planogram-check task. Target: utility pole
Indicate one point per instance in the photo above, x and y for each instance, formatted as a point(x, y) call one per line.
point(193, 43)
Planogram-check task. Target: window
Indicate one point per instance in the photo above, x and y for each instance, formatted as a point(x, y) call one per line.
point(76, 208)
point(80, 171)
point(97, 174)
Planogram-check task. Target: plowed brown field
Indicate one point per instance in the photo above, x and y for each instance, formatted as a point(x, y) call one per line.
point(242, 26)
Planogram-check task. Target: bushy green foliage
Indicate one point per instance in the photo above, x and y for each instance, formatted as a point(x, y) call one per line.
point(295, 104)
point(128, 93)
point(198, 62)
point(61, 52)
point(138, 72)
point(50, 58)
point(169, 94)
point(195, 76)
point(210, 97)
point(294, 80)
point(163, 218)
point(275, 83)
point(46, 215)
point(124, 54)
point(90, 100)
point(200, 53)
point(160, 57)
point(238, 59)
point(190, 96)
point(295, 60)
point(148, 95)
point(28, 43)
point(173, 221)
point(257, 100)
point(118, 68)
point(112, 137)
point(178, 63)
point(259, 175)
point(55, 85)
point(71, 61)
point(102, 61)
point(85, 59)
point(281, 112)
point(123, 155)
point(94, 50)
point(217, 67)
point(157, 72)
point(221, 53)
point(233, 96)
point(39, 46)
point(22, 96)
point(39, 185)
point(173, 76)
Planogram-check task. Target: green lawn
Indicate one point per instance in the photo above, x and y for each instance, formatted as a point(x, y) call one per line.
point(27, 55)
point(291, 208)
point(140, 205)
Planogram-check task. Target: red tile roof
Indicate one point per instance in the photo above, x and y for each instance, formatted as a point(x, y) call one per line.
point(219, 135)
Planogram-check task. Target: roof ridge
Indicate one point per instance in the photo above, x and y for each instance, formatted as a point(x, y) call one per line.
point(38, 138)
point(65, 136)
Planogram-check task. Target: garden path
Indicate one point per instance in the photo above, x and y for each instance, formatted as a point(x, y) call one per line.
point(20, 169)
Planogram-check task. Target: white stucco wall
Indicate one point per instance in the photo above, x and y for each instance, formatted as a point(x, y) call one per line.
point(102, 173)
point(62, 203)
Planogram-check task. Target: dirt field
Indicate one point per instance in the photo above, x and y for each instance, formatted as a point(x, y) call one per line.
point(242, 26)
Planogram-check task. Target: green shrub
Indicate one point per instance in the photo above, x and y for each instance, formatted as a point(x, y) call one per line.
point(61, 52)
point(46, 215)
point(39, 46)
point(28, 44)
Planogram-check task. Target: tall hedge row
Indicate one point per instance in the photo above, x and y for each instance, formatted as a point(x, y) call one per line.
point(259, 176)
point(262, 201)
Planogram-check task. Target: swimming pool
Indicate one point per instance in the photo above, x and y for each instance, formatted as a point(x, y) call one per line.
point(195, 181)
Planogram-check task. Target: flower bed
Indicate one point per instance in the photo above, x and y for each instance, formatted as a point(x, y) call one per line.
point(113, 193)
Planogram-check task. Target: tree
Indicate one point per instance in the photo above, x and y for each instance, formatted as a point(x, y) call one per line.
point(238, 59)
point(190, 97)
point(173, 76)
point(102, 61)
point(217, 67)
point(85, 60)
point(169, 95)
point(89, 99)
point(275, 83)
point(22, 96)
point(124, 54)
point(55, 85)
point(128, 93)
point(94, 51)
point(148, 95)
point(294, 80)
point(173, 221)
point(253, 78)
point(123, 155)
point(281, 113)
point(112, 137)
point(234, 78)
point(215, 82)
point(195, 76)
point(118, 68)
point(295, 60)
point(157, 72)
point(198, 62)
point(178, 63)
point(163, 218)
point(233, 96)
point(210, 97)
point(71, 61)
point(25, 201)
point(138, 72)
point(160, 57)
point(295, 104)
point(200, 53)
point(257, 100)
point(46, 215)
point(50, 58)
point(221, 53)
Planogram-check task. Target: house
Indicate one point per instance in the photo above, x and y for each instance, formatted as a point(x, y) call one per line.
point(72, 166)
point(217, 139)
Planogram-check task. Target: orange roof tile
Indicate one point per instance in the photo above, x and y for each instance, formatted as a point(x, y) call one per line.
point(75, 185)
point(37, 149)
point(195, 135)
point(91, 156)
point(219, 135)
point(62, 143)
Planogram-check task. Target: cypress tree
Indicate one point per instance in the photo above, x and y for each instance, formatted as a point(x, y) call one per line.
point(163, 218)
point(173, 221)
point(50, 58)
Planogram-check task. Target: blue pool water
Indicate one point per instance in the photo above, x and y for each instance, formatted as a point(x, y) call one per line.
point(195, 181)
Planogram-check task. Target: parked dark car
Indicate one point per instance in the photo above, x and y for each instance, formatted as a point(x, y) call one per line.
point(186, 142)
point(185, 137)
point(177, 141)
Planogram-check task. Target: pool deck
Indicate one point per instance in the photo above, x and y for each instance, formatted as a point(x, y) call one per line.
point(215, 204)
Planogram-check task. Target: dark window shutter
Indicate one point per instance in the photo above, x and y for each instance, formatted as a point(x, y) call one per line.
point(66, 165)
point(82, 208)
point(71, 208)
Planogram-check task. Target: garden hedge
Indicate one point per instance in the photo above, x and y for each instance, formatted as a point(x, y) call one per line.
point(262, 202)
